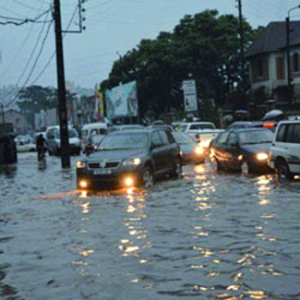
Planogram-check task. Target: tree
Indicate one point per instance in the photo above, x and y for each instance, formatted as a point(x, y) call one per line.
point(35, 98)
point(205, 46)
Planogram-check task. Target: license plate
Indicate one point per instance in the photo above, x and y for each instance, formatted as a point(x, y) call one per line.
point(101, 171)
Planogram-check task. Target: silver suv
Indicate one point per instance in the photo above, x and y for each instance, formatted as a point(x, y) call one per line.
point(285, 150)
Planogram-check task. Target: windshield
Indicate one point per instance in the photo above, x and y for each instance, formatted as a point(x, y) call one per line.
point(256, 137)
point(72, 134)
point(201, 126)
point(181, 138)
point(124, 141)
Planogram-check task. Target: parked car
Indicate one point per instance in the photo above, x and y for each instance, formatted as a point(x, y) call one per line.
point(244, 150)
point(130, 158)
point(54, 142)
point(191, 151)
point(25, 145)
point(285, 150)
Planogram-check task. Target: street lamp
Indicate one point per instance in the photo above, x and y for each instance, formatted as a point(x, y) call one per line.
point(289, 80)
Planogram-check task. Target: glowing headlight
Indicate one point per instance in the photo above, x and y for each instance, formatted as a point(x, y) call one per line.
point(262, 156)
point(83, 184)
point(205, 144)
point(129, 181)
point(132, 162)
point(80, 164)
point(199, 150)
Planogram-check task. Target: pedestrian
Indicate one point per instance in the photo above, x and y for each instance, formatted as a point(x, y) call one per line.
point(41, 145)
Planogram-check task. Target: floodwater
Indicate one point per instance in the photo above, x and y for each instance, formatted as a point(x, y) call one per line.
point(207, 236)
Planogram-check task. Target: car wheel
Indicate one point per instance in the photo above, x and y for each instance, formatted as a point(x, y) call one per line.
point(283, 172)
point(177, 171)
point(147, 177)
point(219, 166)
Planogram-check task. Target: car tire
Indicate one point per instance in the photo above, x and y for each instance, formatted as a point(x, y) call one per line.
point(177, 171)
point(147, 179)
point(219, 166)
point(283, 172)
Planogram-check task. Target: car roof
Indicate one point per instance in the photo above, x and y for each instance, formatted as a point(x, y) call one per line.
point(247, 129)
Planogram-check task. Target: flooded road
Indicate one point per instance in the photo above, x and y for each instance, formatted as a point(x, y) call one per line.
point(207, 236)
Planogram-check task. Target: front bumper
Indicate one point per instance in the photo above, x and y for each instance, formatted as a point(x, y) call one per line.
point(114, 178)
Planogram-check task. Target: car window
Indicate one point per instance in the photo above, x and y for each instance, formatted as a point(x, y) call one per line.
point(296, 137)
point(164, 137)
point(256, 137)
point(281, 133)
point(170, 137)
point(232, 139)
point(201, 126)
point(289, 133)
point(94, 131)
point(223, 137)
point(124, 141)
point(183, 127)
point(155, 139)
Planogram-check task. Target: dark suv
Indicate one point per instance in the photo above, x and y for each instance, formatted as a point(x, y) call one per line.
point(130, 158)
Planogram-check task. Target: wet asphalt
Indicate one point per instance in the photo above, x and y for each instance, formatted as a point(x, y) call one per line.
point(208, 235)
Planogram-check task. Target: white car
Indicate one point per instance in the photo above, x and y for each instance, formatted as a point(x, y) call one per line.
point(285, 150)
point(25, 143)
point(192, 126)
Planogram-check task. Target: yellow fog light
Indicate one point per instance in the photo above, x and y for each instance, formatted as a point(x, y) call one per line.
point(262, 156)
point(129, 181)
point(240, 157)
point(80, 164)
point(83, 184)
point(199, 150)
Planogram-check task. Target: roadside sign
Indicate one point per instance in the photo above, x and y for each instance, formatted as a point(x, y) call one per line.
point(190, 95)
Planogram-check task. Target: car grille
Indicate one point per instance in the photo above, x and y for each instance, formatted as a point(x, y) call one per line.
point(108, 165)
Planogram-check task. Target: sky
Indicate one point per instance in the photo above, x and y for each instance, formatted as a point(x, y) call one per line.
point(113, 27)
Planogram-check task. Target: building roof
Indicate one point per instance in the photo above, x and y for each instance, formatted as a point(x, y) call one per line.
point(273, 38)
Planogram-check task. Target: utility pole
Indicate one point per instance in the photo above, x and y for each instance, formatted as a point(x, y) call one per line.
point(63, 117)
point(288, 61)
point(241, 31)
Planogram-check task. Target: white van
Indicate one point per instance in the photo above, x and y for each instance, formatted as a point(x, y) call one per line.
point(91, 129)
point(54, 142)
point(285, 150)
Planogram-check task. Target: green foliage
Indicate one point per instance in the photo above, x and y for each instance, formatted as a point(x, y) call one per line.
point(35, 98)
point(205, 46)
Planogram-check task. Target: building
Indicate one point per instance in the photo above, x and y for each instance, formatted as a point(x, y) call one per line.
point(18, 120)
point(267, 57)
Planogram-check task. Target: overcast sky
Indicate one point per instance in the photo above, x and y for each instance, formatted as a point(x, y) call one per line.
point(112, 28)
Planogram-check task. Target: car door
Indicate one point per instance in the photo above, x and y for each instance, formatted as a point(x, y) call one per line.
point(293, 145)
point(219, 148)
point(168, 150)
point(157, 152)
point(232, 151)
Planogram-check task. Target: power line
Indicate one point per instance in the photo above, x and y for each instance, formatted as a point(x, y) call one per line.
point(53, 54)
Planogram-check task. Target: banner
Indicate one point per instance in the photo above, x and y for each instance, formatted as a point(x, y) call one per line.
point(121, 101)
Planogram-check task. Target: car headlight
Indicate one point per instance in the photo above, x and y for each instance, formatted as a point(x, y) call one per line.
point(132, 162)
point(199, 150)
point(262, 156)
point(81, 164)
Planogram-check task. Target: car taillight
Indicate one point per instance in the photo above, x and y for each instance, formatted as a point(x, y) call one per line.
point(269, 125)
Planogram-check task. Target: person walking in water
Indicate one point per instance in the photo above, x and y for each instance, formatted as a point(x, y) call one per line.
point(41, 145)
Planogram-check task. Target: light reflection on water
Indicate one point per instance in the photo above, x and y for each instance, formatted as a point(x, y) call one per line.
point(209, 235)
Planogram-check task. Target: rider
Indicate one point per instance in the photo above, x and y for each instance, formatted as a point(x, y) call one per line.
point(40, 146)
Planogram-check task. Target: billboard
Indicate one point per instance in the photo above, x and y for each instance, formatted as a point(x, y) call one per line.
point(121, 101)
